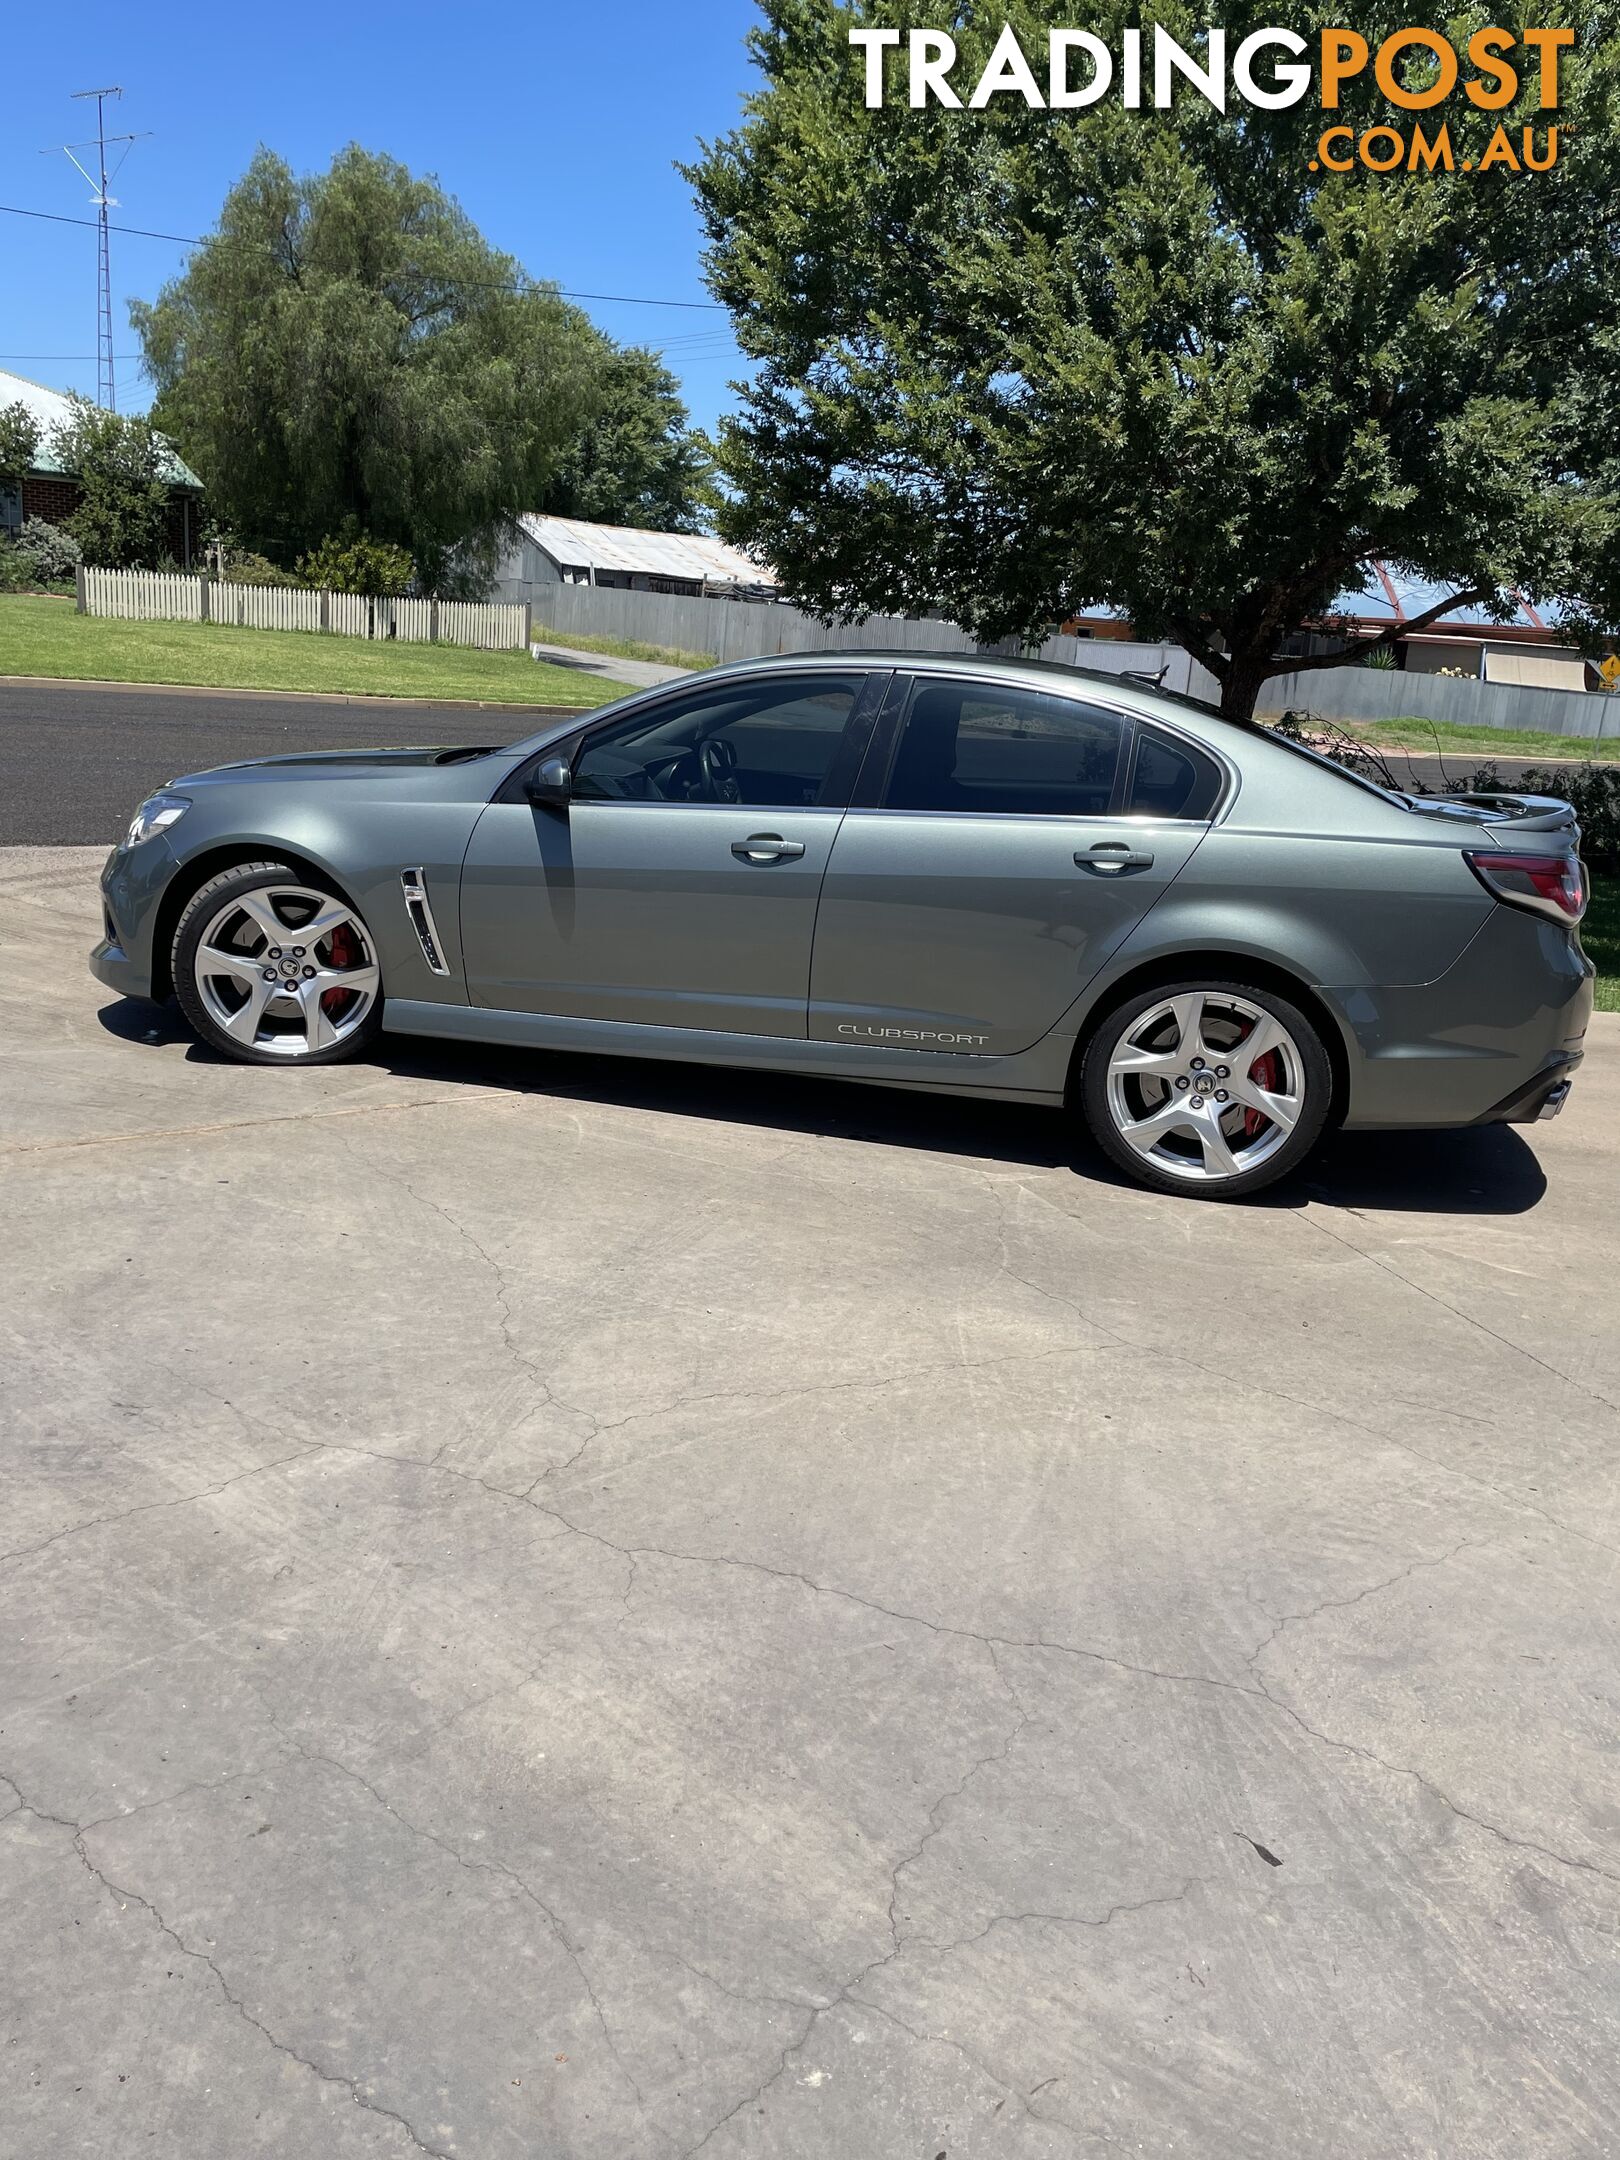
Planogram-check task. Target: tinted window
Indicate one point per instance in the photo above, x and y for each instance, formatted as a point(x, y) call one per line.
point(970, 746)
point(767, 743)
point(1171, 779)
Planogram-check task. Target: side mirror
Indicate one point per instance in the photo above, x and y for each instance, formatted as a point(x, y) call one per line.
point(552, 782)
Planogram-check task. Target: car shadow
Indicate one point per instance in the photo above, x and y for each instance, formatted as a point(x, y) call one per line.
point(1473, 1170)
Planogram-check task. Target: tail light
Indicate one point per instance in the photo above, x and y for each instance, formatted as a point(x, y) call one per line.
point(1550, 885)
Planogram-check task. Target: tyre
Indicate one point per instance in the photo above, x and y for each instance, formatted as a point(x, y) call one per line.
point(1213, 1089)
point(275, 970)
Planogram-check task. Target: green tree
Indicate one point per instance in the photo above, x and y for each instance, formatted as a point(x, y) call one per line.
point(19, 443)
point(351, 561)
point(118, 460)
point(348, 346)
point(1009, 362)
point(638, 462)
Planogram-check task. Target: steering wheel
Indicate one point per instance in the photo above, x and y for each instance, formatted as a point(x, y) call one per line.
point(718, 763)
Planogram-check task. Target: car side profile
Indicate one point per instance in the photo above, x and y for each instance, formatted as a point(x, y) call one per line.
point(956, 873)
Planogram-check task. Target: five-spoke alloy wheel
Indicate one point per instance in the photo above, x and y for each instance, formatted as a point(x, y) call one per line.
point(274, 970)
point(1213, 1089)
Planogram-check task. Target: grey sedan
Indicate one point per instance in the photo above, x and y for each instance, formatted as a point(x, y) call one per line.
point(962, 874)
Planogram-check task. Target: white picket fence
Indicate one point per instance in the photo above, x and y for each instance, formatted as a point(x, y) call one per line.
point(173, 596)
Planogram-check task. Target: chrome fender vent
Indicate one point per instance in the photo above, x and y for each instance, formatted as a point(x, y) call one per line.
point(420, 909)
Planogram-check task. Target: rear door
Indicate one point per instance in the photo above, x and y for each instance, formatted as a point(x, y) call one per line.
point(679, 887)
point(1003, 841)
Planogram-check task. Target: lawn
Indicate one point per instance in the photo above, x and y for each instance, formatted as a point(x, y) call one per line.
point(1487, 742)
point(623, 648)
point(47, 637)
point(1600, 936)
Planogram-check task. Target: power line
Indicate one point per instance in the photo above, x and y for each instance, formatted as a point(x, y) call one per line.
point(138, 232)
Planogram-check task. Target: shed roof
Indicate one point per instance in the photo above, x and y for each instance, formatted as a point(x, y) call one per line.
point(575, 544)
point(53, 408)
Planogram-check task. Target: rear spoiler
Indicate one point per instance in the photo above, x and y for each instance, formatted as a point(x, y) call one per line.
point(1529, 813)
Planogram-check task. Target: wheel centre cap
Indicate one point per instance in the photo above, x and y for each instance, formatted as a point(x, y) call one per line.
point(289, 967)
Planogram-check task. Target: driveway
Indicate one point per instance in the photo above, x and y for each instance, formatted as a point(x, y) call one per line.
point(611, 1612)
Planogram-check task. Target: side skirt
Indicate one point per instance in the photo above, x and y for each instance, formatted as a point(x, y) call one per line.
point(1034, 1076)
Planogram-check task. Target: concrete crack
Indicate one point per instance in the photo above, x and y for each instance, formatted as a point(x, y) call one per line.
point(1295, 1619)
point(150, 1507)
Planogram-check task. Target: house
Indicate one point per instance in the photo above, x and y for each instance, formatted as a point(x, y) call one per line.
point(50, 493)
point(569, 551)
point(1527, 650)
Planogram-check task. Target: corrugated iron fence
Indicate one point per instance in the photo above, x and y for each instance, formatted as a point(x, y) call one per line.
point(172, 596)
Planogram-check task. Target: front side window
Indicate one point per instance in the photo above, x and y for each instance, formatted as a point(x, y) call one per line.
point(769, 744)
point(974, 746)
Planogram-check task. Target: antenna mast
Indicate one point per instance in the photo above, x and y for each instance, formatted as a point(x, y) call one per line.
point(106, 389)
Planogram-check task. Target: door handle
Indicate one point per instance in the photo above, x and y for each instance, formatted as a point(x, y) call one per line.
point(1112, 856)
point(767, 847)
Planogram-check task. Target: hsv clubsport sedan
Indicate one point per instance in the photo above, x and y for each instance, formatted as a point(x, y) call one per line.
point(957, 873)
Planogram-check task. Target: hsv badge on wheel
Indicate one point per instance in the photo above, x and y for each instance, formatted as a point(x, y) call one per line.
point(969, 875)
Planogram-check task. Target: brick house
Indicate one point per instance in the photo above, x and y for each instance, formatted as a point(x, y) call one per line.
point(50, 493)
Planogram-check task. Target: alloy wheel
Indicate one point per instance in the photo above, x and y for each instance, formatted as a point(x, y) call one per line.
point(1206, 1086)
point(286, 970)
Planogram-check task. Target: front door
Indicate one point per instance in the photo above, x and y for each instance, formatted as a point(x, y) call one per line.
point(679, 887)
point(1019, 837)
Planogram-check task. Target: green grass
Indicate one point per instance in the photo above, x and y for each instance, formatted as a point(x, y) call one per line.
point(47, 637)
point(624, 648)
point(1522, 743)
point(1600, 936)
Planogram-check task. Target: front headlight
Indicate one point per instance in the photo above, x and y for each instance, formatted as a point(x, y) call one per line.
point(155, 815)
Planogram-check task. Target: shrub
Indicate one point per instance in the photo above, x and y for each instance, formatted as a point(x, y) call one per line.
point(1595, 792)
point(52, 554)
point(243, 567)
point(123, 505)
point(352, 561)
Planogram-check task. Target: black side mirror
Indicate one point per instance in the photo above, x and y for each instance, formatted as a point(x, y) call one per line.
point(551, 782)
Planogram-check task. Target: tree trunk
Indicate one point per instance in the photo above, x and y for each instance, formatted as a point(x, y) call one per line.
point(1245, 677)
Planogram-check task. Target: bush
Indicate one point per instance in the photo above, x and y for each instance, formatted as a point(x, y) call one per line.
point(1595, 792)
point(123, 503)
point(52, 554)
point(353, 561)
point(243, 567)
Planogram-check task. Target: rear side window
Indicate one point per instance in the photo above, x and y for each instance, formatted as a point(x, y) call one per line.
point(1172, 779)
point(972, 746)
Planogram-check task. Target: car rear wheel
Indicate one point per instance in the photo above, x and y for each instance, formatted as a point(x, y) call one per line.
point(276, 970)
point(1214, 1089)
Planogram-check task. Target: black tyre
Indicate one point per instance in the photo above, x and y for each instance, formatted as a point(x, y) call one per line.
point(275, 969)
point(1213, 1089)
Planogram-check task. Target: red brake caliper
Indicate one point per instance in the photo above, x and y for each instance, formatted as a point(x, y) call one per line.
point(345, 952)
point(1265, 1072)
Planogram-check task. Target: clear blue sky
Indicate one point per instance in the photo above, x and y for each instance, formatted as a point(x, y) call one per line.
point(556, 125)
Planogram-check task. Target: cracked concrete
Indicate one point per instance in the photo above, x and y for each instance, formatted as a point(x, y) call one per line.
point(623, 1613)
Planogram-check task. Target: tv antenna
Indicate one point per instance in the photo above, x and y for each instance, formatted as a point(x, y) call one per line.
point(106, 390)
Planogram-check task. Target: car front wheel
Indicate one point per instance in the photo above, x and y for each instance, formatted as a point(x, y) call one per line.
point(276, 970)
point(1213, 1089)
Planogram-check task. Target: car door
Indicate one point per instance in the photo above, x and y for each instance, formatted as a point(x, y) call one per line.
point(1003, 841)
point(678, 887)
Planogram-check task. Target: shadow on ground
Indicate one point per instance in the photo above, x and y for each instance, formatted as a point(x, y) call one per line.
point(1473, 1170)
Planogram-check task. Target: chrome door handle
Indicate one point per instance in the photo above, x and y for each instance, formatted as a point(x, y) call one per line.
point(767, 847)
point(1112, 856)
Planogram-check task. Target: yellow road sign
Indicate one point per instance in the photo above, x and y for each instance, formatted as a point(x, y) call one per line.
point(1610, 670)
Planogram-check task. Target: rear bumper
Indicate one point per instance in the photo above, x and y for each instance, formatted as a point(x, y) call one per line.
point(1486, 1043)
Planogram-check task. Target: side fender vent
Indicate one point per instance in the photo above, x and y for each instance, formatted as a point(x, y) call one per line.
point(420, 910)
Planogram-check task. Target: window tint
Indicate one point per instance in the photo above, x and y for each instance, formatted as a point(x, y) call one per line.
point(767, 743)
point(967, 746)
point(1171, 779)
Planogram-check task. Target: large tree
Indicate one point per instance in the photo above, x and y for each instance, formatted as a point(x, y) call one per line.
point(346, 352)
point(1011, 361)
point(637, 462)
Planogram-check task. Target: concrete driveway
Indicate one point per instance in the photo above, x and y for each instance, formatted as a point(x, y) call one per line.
point(580, 1611)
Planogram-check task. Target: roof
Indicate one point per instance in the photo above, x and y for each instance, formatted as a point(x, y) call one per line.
point(576, 545)
point(53, 408)
point(1391, 596)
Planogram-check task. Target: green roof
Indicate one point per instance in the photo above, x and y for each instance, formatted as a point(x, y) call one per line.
point(52, 407)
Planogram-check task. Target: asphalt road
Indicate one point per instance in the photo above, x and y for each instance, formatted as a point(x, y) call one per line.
point(76, 758)
point(565, 1607)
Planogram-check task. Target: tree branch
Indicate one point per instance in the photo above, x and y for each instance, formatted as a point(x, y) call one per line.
point(1388, 636)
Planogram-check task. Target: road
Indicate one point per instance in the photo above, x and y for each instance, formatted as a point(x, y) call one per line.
point(76, 758)
point(574, 1608)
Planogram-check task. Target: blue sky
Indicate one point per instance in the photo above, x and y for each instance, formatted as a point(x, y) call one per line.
point(557, 125)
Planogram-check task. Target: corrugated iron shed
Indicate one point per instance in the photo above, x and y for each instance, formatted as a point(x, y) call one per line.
point(573, 544)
